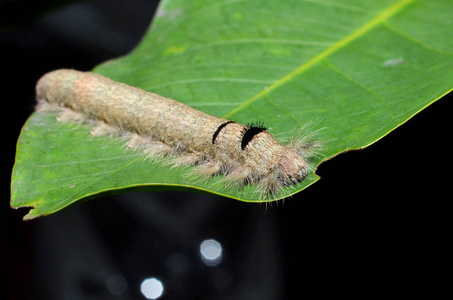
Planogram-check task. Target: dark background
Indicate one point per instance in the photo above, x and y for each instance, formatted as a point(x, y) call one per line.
point(377, 223)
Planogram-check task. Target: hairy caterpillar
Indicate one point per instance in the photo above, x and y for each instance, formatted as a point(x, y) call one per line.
point(160, 126)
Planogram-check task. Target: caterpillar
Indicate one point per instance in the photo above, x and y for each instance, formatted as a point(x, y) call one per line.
point(162, 127)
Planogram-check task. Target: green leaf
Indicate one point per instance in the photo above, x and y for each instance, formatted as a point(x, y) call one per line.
point(358, 69)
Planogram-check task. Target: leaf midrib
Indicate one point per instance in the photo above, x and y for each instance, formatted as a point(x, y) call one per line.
point(367, 27)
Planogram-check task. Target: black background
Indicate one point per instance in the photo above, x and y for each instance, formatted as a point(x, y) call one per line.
point(377, 223)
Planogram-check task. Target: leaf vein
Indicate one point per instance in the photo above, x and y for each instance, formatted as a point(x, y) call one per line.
point(411, 38)
point(359, 84)
point(214, 79)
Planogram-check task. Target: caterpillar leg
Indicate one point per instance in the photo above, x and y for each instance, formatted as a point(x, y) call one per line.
point(240, 177)
point(102, 128)
point(187, 159)
point(209, 169)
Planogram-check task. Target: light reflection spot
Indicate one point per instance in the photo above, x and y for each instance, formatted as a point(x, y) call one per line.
point(152, 288)
point(211, 252)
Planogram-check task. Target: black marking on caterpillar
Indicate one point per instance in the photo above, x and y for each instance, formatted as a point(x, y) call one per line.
point(249, 134)
point(161, 127)
point(256, 124)
point(216, 133)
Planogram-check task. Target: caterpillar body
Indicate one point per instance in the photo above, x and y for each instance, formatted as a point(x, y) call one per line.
point(160, 126)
